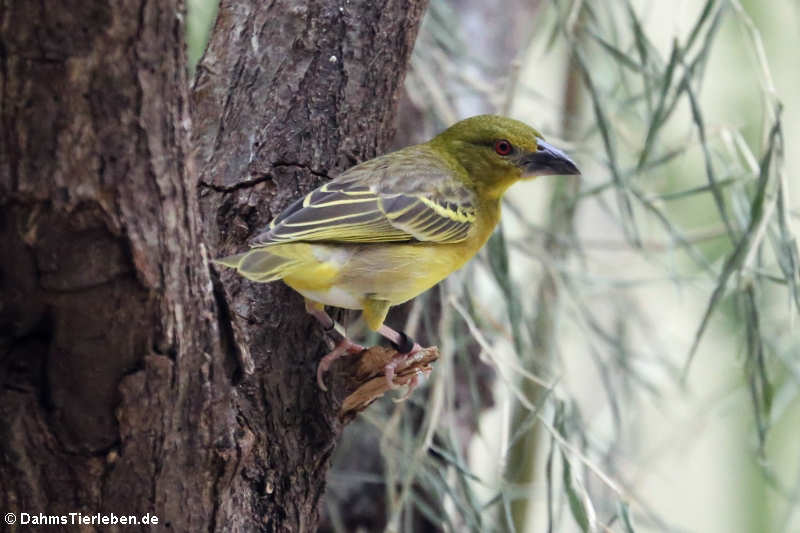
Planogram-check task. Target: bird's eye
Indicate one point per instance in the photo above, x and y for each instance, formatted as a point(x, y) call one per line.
point(502, 147)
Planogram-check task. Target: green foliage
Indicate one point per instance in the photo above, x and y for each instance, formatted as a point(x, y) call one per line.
point(200, 15)
point(698, 208)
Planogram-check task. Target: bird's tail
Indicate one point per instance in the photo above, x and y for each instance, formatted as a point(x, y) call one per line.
point(260, 264)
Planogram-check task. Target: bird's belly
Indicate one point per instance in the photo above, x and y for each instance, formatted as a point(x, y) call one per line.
point(335, 296)
point(396, 273)
point(392, 272)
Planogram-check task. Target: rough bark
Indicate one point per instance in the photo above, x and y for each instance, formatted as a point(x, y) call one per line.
point(111, 358)
point(286, 96)
point(125, 386)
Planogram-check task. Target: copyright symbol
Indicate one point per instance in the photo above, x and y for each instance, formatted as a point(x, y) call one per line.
point(10, 518)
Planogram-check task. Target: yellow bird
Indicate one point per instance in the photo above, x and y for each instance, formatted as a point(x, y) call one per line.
point(390, 228)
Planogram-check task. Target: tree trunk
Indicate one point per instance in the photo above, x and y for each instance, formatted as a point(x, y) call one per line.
point(127, 383)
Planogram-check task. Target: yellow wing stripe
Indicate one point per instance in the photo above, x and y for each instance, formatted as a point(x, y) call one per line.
point(376, 228)
point(332, 186)
point(457, 215)
point(318, 197)
point(416, 216)
point(435, 227)
point(338, 227)
point(345, 212)
point(394, 214)
point(419, 221)
point(324, 221)
point(340, 202)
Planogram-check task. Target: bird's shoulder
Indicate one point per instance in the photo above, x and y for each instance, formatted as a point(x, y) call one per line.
point(411, 170)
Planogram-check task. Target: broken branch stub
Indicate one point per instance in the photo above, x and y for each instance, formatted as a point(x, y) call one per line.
point(365, 381)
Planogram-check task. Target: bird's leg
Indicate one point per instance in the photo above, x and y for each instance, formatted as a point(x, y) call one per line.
point(328, 324)
point(343, 346)
point(408, 352)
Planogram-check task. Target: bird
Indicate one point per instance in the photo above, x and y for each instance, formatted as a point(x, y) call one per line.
point(388, 229)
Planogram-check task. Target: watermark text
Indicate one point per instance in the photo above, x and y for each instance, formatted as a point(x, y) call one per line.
point(79, 519)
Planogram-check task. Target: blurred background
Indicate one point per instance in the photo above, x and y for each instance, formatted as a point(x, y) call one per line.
point(624, 355)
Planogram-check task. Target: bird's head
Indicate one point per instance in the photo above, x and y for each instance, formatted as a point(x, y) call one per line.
point(497, 151)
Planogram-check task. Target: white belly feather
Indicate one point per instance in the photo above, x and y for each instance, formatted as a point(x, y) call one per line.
point(335, 296)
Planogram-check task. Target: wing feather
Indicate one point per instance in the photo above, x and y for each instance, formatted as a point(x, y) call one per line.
point(380, 201)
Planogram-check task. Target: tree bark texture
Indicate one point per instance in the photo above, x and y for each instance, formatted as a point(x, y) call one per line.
point(126, 382)
point(286, 96)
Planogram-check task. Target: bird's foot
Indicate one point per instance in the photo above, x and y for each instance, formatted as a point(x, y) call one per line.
point(400, 361)
point(418, 378)
point(409, 352)
point(344, 346)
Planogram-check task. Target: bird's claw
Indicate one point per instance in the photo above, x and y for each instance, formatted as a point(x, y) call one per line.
point(401, 361)
point(344, 345)
point(416, 380)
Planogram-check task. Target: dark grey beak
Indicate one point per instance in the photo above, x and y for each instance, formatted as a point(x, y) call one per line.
point(548, 160)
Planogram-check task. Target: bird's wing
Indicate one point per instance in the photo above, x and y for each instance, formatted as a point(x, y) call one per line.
point(387, 199)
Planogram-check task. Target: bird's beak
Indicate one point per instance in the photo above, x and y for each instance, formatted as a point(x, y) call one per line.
point(547, 160)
